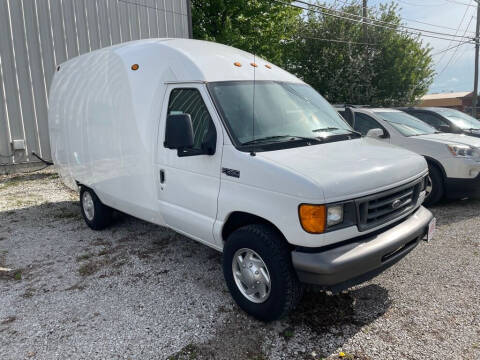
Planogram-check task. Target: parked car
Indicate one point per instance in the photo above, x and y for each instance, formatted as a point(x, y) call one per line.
point(446, 120)
point(239, 155)
point(453, 159)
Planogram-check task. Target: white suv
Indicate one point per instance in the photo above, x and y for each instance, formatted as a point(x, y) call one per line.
point(453, 159)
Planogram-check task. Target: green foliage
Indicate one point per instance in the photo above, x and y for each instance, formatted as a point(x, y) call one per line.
point(256, 26)
point(394, 69)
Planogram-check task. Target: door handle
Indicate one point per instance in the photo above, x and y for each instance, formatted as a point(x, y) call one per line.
point(162, 176)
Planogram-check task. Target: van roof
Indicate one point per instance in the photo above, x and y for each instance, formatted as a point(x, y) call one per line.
point(188, 60)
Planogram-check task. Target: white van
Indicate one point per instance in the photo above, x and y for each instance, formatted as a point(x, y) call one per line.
point(453, 159)
point(239, 155)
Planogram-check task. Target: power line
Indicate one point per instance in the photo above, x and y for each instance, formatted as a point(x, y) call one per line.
point(454, 53)
point(369, 24)
point(462, 3)
point(450, 48)
point(415, 4)
point(435, 25)
point(459, 25)
point(379, 21)
point(338, 41)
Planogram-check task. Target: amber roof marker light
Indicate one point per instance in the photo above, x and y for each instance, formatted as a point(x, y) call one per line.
point(237, 64)
point(135, 67)
point(254, 64)
point(268, 66)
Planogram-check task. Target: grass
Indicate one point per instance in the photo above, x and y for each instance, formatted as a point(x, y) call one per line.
point(189, 352)
point(287, 333)
point(83, 257)
point(18, 275)
point(88, 269)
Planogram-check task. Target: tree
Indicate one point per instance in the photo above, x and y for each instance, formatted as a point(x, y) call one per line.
point(327, 52)
point(256, 26)
point(397, 70)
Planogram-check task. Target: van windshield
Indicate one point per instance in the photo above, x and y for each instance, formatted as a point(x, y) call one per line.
point(284, 112)
point(406, 124)
point(460, 119)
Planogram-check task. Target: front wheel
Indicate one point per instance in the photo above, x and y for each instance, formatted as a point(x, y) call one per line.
point(434, 188)
point(97, 215)
point(259, 274)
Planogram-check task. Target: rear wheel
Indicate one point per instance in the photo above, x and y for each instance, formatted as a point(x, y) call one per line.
point(259, 274)
point(97, 215)
point(434, 189)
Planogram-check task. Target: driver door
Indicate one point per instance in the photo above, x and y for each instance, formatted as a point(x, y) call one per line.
point(188, 186)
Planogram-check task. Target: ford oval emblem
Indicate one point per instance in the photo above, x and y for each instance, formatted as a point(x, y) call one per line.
point(396, 204)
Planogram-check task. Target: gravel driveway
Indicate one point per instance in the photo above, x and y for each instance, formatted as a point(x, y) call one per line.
point(139, 291)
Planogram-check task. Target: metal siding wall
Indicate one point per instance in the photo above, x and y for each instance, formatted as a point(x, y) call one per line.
point(37, 35)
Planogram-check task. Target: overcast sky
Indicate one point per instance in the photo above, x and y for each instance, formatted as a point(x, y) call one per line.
point(453, 73)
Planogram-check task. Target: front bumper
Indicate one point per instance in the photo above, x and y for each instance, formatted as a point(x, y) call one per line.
point(458, 188)
point(358, 261)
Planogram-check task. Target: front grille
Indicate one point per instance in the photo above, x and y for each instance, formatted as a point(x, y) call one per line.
point(378, 209)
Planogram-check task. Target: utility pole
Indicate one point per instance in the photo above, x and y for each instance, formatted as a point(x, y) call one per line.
point(475, 81)
point(365, 40)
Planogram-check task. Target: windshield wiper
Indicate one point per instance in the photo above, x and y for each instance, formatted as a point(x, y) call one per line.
point(334, 128)
point(277, 137)
point(325, 129)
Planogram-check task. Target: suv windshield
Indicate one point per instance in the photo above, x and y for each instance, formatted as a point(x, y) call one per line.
point(284, 112)
point(406, 124)
point(460, 119)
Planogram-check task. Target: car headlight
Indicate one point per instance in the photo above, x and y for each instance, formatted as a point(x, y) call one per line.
point(464, 151)
point(334, 215)
point(316, 219)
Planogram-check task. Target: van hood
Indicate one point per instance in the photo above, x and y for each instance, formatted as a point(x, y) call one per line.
point(350, 169)
point(447, 138)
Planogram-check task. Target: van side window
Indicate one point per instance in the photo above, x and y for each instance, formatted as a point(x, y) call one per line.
point(189, 101)
point(364, 123)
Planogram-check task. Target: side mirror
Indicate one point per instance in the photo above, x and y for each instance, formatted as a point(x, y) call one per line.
point(179, 132)
point(375, 133)
point(445, 128)
point(350, 116)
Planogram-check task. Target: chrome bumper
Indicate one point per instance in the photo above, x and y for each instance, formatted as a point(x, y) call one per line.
point(358, 261)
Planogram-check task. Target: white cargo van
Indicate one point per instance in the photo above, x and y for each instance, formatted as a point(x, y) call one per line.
point(239, 155)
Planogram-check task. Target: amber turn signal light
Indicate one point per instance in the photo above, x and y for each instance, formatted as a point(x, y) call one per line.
point(313, 218)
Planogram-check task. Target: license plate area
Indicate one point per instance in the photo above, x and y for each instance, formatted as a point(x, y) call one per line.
point(431, 229)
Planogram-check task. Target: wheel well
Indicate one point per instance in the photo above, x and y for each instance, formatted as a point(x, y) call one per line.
point(238, 219)
point(435, 163)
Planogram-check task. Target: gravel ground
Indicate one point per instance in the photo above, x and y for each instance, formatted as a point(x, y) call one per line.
point(139, 291)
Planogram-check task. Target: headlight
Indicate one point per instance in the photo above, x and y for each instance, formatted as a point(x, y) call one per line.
point(316, 219)
point(334, 215)
point(464, 151)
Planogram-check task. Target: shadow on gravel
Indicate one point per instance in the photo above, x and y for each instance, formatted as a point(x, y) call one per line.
point(449, 212)
point(330, 319)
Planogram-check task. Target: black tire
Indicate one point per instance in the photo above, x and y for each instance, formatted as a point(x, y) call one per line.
point(285, 291)
point(437, 192)
point(102, 214)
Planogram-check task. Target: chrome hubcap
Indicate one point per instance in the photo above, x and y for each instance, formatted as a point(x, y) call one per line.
point(251, 275)
point(87, 204)
point(429, 187)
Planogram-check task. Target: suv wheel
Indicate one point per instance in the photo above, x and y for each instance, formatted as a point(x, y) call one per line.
point(259, 274)
point(434, 187)
point(96, 215)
